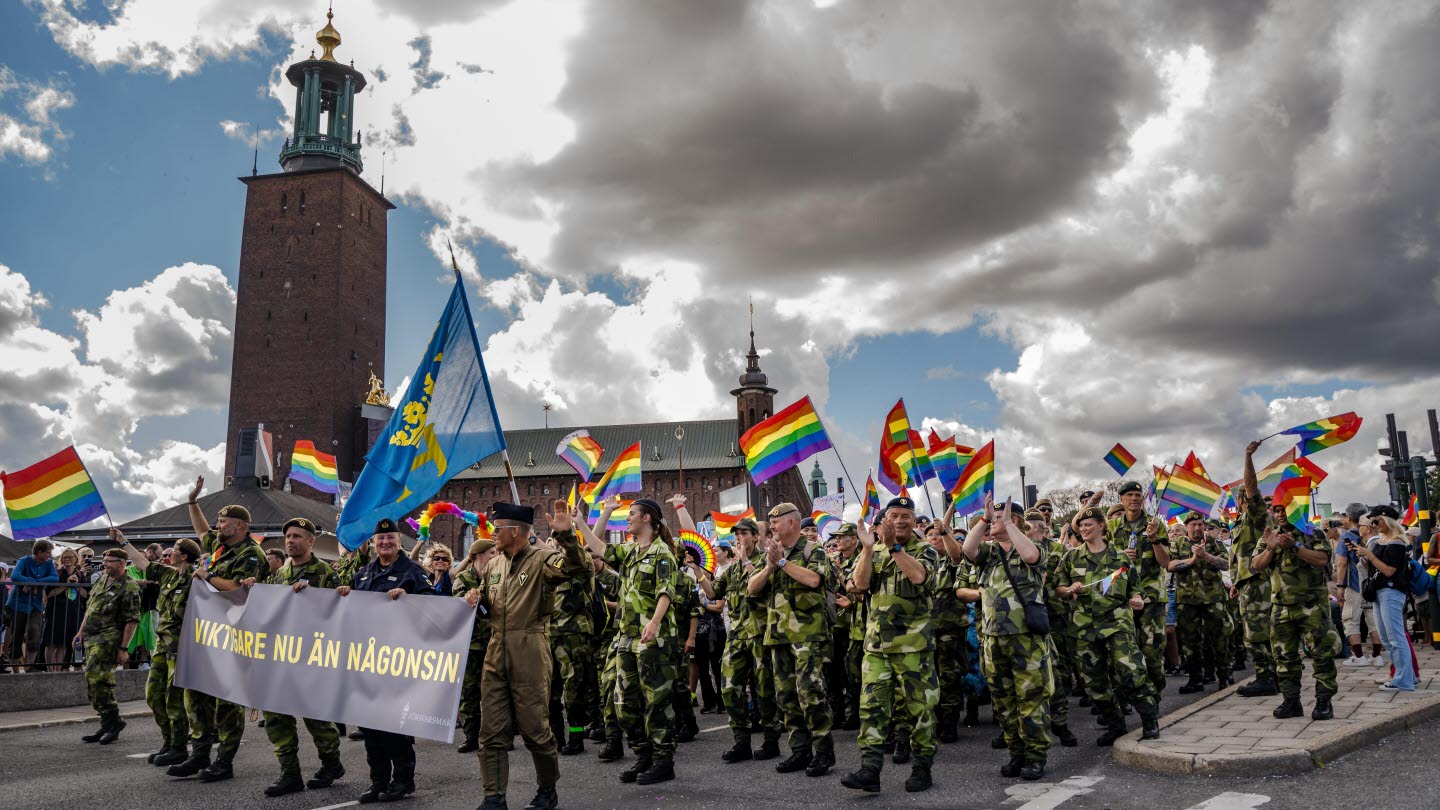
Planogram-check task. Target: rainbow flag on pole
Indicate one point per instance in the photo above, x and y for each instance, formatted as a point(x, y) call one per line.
point(783, 441)
point(1294, 495)
point(1106, 583)
point(49, 497)
point(725, 524)
point(619, 519)
point(1412, 512)
point(944, 459)
point(1120, 459)
point(1188, 490)
point(977, 481)
point(623, 476)
point(1281, 469)
point(581, 452)
point(895, 457)
point(313, 468)
point(1323, 433)
point(871, 504)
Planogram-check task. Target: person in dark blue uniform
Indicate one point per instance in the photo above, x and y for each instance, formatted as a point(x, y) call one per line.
point(391, 756)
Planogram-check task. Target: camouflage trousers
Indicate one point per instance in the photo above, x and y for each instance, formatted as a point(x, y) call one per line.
point(952, 661)
point(1113, 671)
point(470, 692)
point(1255, 616)
point(644, 681)
point(899, 688)
point(799, 673)
point(285, 736)
point(1203, 642)
point(167, 701)
point(1021, 681)
point(1295, 627)
point(681, 699)
point(1234, 632)
point(742, 667)
point(100, 661)
point(609, 669)
point(575, 658)
point(214, 719)
point(1150, 638)
point(1062, 660)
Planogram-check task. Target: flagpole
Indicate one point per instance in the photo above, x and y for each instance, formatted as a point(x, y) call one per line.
point(916, 464)
point(504, 452)
point(838, 457)
point(92, 483)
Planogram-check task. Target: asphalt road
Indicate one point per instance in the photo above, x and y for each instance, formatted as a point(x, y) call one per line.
point(51, 768)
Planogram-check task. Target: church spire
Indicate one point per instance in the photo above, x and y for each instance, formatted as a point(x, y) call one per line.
point(753, 378)
point(328, 37)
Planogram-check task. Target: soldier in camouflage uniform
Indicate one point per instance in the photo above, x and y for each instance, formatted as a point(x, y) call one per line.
point(1105, 627)
point(111, 616)
point(687, 620)
point(844, 693)
point(797, 631)
point(1196, 562)
point(476, 558)
point(1253, 587)
point(1062, 633)
point(228, 557)
point(899, 683)
point(1143, 540)
point(854, 654)
point(1300, 615)
point(572, 640)
point(608, 584)
point(952, 623)
point(166, 700)
point(302, 570)
point(645, 634)
point(1019, 659)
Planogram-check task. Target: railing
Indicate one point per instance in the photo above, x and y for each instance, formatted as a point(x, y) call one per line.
point(322, 145)
point(29, 650)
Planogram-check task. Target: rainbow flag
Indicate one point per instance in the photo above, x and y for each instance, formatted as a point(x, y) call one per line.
point(871, 504)
point(623, 476)
point(1294, 495)
point(1281, 469)
point(977, 481)
point(824, 520)
point(581, 452)
point(1327, 432)
point(1186, 489)
point(921, 468)
point(1311, 470)
point(51, 496)
point(895, 448)
point(1106, 583)
point(1192, 463)
point(570, 499)
point(725, 524)
point(1120, 459)
point(619, 519)
point(702, 546)
point(783, 441)
point(313, 468)
point(1412, 512)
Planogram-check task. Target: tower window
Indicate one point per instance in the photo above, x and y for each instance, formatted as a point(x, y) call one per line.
point(284, 202)
point(305, 317)
point(302, 202)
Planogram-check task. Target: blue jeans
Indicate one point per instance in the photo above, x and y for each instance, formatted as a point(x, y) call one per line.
point(1390, 615)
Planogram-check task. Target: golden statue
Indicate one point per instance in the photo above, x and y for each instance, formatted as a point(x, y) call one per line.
point(378, 395)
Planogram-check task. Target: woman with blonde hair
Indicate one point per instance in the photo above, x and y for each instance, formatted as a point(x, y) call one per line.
point(64, 607)
point(1389, 557)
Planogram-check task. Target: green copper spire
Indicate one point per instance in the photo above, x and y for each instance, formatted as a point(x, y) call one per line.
point(325, 89)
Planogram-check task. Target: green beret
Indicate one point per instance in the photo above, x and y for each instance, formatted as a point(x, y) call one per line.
point(1129, 486)
point(235, 511)
point(303, 523)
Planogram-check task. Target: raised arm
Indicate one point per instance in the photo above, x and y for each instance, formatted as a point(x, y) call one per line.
point(682, 515)
point(1252, 484)
point(136, 556)
point(197, 517)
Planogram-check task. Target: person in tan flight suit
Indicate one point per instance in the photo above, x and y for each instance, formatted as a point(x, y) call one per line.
point(517, 588)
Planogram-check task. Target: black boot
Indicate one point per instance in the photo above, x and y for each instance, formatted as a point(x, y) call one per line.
point(1195, 684)
point(576, 745)
point(686, 733)
point(821, 763)
point(329, 773)
point(545, 799)
point(196, 763)
point(469, 746)
point(398, 790)
point(174, 756)
point(657, 773)
point(496, 802)
point(97, 733)
point(112, 731)
point(1065, 736)
point(864, 779)
point(358, 734)
point(999, 743)
point(902, 751)
point(948, 722)
point(1114, 727)
point(739, 752)
point(1032, 770)
point(164, 749)
point(1323, 710)
point(1149, 721)
point(373, 793)
point(1258, 688)
point(919, 779)
point(287, 783)
point(1085, 702)
point(1224, 681)
point(972, 713)
point(1011, 769)
point(642, 764)
point(769, 749)
point(219, 771)
point(1290, 707)
point(797, 761)
point(852, 718)
point(612, 751)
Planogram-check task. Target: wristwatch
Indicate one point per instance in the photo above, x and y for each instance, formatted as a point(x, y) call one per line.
point(782, 563)
point(899, 547)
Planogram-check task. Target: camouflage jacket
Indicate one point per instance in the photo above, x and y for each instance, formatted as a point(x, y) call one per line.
point(1002, 610)
point(573, 608)
point(951, 615)
point(967, 576)
point(1149, 577)
point(1098, 614)
point(687, 603)
point(858, 613)
point(170, 608)
point(747, 613)
point(899, 616)
point(346, 568)
point(241, 561)
point(798, 614)
point(1056, 605)
point(645, 576)
point(1199, 584)
point(607, 589)
point(113, 604)
point(317, 572)
point(465, 582)
point(1247, 534)
point(1296, 583)
point(843, 616)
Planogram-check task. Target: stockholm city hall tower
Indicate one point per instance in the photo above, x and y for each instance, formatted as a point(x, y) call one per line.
point(310, 310)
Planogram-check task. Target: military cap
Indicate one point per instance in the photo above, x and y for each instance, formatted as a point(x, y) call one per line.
point(1044, 502)
point(515, 512)
point(1385, 510)
point(1114, 509)
point(385, 526)
point(117, 553)
point(303, 523)
point(1088, 513)
point(1085, 496)
point(235, 511)
point(782, 509)
point(1034, 514)
point(846, 530)
point(481, 546)
point(189, 548)
point(748, 524)
point(1128, 487)
point(807, 523)
point(1189, 516)
point(902, 502)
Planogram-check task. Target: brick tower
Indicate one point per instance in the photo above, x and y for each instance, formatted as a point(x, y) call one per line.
point(310, 310)
point(754, 403)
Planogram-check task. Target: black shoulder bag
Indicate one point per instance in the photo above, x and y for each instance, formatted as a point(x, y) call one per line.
point(1037, 618)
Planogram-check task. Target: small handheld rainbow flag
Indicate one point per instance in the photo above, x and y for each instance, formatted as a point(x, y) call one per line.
point(945, 459)
point(1323, 433)
point(725, 524)
point(619, 519)
point(977, 481)
point(1294, 495)
point(897, 463)
point(623, 476)
point(783, 441)
point(1107, 582)
point(1186, 489)
point(313, 468)
point(871, 504)
point(824, 521)
point(50, 496)
point(702, 546)
point(581, 452)
point(1412, 512)
point(1120, 459)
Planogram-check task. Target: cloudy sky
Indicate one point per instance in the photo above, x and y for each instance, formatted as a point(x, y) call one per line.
point(1178, 226)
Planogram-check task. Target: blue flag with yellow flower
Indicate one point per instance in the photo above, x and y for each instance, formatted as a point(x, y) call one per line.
point(445, 423)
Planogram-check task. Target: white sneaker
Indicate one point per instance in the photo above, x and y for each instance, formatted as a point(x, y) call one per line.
point(1357, 661)
point(1390, 687)
point(1379, 661)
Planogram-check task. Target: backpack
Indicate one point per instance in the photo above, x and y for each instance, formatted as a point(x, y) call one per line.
point(1421, 580)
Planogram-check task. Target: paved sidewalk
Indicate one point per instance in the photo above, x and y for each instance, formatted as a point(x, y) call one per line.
point(1225, 734)
point(43, 718)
